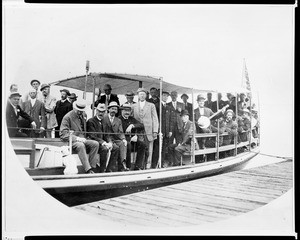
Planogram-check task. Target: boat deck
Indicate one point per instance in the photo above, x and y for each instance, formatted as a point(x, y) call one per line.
point(199, 201)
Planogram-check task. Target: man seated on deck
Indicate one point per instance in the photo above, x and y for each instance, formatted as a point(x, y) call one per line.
point(13, 111)
point(112, 125)
point(132, 128)
point(74, 121)
point(95, 132)
point(231, 128)
point(244, 125)
point(177, 150)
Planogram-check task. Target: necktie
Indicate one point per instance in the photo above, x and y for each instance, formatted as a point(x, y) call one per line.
point(111, 120)
point(174, 105)
point(81, 123)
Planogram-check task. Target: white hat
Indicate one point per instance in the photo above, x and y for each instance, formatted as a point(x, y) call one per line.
point(79, 105)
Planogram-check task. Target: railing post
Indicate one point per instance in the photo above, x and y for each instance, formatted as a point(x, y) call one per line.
point(236, 113)
point(218, 134)
point(160, 137)
point(70, 141)
point(194, 130)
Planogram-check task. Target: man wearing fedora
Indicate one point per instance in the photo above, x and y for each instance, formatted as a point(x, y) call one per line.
point(95, 132)
point(75, 121)
point(13, 111)
point(62, 107)
point(129, 96)
point(176, 150)
point(35, 84)
point(50, 103)
point(108, 97)
point(188, 106)
point(36, 109)
point(133, 128)
point(72, 98)
point(146, 114)
point(112, 126)
point(176, 108)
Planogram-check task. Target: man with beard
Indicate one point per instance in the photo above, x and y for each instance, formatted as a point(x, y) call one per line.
point(95, 132)
point(74, 121)
point(62, 107)
point(112, 126)
point(133, 128)
point(49, 103)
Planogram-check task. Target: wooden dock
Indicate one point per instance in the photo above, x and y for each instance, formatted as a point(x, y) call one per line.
point(199, 201)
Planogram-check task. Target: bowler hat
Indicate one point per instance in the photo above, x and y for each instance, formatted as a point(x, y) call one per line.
point(201, 96)
point(165, 92)
point(113, 104)
point(125, 106)
point(66, 91)
point(13, 94)
point(184, 112)
point(107, 86)
point(44, 85)
point(34, 80)
point(142, 90)
point(73, 96)
point(101, 107)
point(129, 93)
point(79, 105)
point(185, 95)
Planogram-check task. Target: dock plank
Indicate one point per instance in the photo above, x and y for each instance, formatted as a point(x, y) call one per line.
point(198, 201)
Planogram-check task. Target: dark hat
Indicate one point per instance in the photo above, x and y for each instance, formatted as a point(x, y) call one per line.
point(125, 106)
point(185, 96)
point(101, 107)
point(13, 94)
point(142, 90)
point(66, 91)
point(44, 85)
point(34, 80)
point(165, 92)
point(107, 86)
point(113, 104)
point(72, 96)
point(184, 112)
point(129, 93)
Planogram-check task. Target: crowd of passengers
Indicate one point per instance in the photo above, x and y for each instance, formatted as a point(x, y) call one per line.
point(117, 130)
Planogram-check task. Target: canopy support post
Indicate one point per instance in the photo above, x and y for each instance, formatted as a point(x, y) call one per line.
point(194, 130)
point(93, 110)
point(160, 136)
point(237, 136)
point(218, 133)
point(87, 67)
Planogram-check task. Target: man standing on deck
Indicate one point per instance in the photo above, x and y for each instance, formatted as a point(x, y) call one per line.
point(74, 121)
point(108, 97)
point(146, 114)
point(187, 106)
point(62, 107)
point(96, 132)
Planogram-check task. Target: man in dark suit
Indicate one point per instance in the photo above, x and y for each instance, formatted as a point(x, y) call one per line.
point(75, 121)
point(209, 103)
point(36, 110)
point(133, 128)
point(13, 111)
point(95, 132)
point(154, 98)
point(108, 97)
point(112, 125)
point(176, 108)
point(62, 107)
point(176, 150)
point(187, 106)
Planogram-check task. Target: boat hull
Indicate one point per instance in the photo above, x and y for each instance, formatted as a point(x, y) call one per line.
point(84, 188)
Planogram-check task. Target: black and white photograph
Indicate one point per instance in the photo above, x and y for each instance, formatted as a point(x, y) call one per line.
point(154, 119)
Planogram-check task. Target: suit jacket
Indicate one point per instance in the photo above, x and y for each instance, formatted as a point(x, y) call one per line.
point(166, 124)
point(71, 121)
point(187, 132)
point(138, 127)
point(61, 109)
point(175, 115)
point(50, 103)
point(156, 104)
point(94, 125)
point(12, 118)
point(209, 104)
point(102, 99)
point(207, 113)
point(148, 117)
point(114, 127)
point(188, 106)
point(37, 112)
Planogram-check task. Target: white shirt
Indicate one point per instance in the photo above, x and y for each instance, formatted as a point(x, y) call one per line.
point(15, 108)
point(32, 101)
point(63, 100)
point(174, 104)
point(142, 104)
point(163, 103)
point(111, 119)
point(201, 111)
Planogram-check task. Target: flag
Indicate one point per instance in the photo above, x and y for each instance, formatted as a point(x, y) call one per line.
point(246, 80)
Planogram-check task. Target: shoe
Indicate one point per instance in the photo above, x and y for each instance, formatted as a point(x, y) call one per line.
point(124, 166)
point(90, 171)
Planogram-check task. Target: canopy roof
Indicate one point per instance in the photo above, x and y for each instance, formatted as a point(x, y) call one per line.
point(121, 83)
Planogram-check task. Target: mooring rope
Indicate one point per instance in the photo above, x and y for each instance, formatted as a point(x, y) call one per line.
point(268, 155)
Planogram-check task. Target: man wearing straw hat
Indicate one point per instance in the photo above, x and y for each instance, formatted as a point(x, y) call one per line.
point(13, 111)
point(75, 121)
point(95, 132)
point(112, 125)
point(133, 128)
